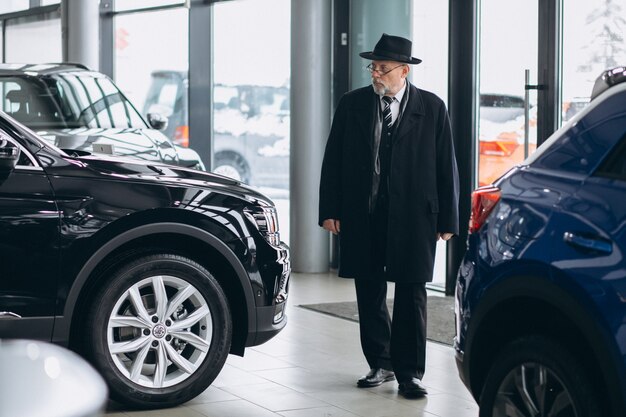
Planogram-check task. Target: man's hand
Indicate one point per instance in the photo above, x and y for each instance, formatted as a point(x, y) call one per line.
point(444, 236)
point(332, 225)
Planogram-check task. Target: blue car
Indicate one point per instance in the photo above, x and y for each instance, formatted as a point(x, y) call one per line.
point(541, 292)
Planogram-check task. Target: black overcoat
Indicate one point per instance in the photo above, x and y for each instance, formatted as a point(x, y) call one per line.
point(423, 184)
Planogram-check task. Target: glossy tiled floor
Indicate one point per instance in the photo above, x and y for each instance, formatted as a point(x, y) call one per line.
point(310, 370)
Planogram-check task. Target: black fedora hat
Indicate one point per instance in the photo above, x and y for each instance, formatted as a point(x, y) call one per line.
point(392, 48)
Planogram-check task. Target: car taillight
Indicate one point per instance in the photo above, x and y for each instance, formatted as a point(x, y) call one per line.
point(181, 136)
point(498, 147)
point(484, 199)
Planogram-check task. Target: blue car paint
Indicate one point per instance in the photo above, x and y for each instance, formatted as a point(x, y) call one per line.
point(557, 237)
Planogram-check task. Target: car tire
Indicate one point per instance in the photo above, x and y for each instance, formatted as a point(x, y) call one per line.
point(232, 165)
point(159, 331)
point(535, 373)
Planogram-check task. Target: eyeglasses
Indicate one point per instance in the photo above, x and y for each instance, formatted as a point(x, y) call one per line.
point(370, 68)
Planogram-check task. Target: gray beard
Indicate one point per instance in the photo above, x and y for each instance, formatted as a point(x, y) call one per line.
point(381, 91)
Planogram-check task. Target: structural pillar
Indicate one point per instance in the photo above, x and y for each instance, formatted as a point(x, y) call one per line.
point(310, 123)
point(81, 32)
point(463, 108)
point(201, 80)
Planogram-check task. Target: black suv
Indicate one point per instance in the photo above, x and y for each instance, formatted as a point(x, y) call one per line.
point(74, 108)
point(153, 272)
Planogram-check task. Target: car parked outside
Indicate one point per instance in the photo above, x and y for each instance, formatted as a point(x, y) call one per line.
point(74, 108)
point(153, 272)
point(501, 140)
point(541, 292)
point(251, 126)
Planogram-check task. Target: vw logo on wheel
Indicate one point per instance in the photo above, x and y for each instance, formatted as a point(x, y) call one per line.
point(159, 331)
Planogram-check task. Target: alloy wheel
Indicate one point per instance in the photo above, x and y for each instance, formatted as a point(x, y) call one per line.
point(159, 331)
point(532, 389)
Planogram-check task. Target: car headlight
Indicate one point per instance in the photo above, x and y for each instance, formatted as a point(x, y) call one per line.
point(265, 219)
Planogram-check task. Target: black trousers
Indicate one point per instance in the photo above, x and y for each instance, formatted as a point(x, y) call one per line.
point(398, 343)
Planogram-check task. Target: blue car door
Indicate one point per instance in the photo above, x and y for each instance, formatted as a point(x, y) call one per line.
point(590, 244)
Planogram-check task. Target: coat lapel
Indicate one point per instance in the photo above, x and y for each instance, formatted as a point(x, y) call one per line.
point(365, 112)
point(412, 114)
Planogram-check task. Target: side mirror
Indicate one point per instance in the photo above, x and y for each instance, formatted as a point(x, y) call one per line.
point(157, 121)
point(9, 155)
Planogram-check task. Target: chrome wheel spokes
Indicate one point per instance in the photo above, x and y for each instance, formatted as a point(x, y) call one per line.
point(533, 390)
point(159, 331)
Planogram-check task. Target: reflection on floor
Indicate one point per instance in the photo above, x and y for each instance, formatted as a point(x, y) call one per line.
point(310, 370)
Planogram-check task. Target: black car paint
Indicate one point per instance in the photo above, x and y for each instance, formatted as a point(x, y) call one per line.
point(81, 211)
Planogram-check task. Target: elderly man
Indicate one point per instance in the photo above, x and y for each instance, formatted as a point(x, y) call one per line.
point(389, 189)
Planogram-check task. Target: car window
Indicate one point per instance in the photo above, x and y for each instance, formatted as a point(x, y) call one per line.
point(28, 101)
point(615, 164)
point(68, 100)
point(224, 97)
point(96, 102)
point(166, 99)
point(584, 142)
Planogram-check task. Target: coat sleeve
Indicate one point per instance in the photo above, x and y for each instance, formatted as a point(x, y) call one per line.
point(330, 179)
point(447, 177)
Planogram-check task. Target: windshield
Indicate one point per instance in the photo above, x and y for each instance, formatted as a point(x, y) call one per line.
point(68, 100)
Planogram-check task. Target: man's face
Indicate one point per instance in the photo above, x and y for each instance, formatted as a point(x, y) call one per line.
point(388, 76)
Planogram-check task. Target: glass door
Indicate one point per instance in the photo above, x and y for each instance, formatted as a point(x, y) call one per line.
point(508, 50)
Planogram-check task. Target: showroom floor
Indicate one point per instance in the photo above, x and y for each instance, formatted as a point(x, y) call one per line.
point(310, 370)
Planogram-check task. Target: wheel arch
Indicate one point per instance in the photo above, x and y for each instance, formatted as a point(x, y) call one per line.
point(184, 239)
point(521, 306)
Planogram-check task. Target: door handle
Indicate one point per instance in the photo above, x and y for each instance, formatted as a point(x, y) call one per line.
point(527, 87)
point(588, 243)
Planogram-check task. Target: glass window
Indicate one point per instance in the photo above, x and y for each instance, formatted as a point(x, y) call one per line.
point(9, 6)
point(28, 102)
point(96, 106)
point(72, 92)
point(116, 106)
point(251, 96)
point(615, 165)
point(147, 57)
point(508, 47)
point(593, 40)
point(34, 39)
point(430, 44)
point(67, 101)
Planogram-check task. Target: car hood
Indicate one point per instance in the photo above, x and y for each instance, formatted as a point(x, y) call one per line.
point(143, 144)
point(125, 169)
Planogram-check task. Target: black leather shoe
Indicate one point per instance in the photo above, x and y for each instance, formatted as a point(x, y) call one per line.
point(412, 388)
point(375, 377)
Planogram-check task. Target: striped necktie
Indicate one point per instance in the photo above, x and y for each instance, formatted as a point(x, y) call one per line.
point(387, 111)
